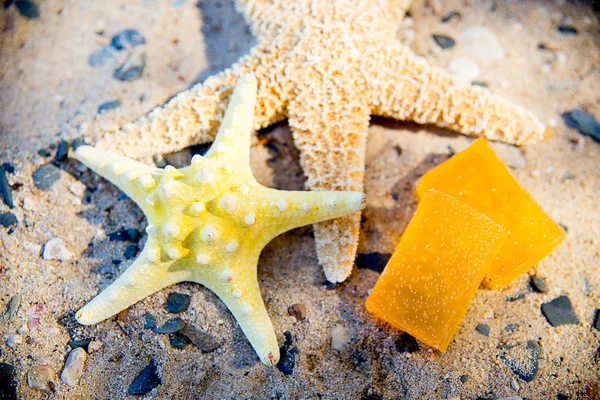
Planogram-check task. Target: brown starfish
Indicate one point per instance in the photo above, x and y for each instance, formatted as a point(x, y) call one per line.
point(328, 66)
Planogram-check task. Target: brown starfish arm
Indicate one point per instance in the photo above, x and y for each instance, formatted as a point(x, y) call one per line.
point(404, 86)
point(331, 137)
point(193, 116)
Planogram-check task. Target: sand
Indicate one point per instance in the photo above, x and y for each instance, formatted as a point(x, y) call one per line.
point(47, 93)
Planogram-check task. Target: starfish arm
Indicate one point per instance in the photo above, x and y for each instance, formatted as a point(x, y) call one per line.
point(193, 116)
point(135, 179)
point(331, 138)
point(139, 281)
point(404, 86)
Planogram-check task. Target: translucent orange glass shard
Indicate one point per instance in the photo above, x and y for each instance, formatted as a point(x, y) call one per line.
point(436, 268)
point(477, 177)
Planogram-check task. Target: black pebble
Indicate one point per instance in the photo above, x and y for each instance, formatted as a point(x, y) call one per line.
point(596, 323)
point(78, 142)
point(8, 385)
point(583, 122)
point(177, 302)
point(62, 152)
point(538, 284)
point(149, 321)
point(126, 39)
point(445, 42)
point(131, 69)
point(484, 329)
point(567, 30)
point(5, 189)
point(525, 368)
point(80, 343)
point(178, 341)
point(8, 219)
point(171, 326)
point(109, 105)
point(28, 9)
point(372, 261)
point(44, 153)
point(519, 296)
point(116, 262)
point(45, 176)
point(464, 378)
point(130, 251)
point(287, 361)
point(124, 235)
point(147, 379)
point(559, 311)
point(406, 344)
point(200, 149)
point(8, 168)
point(450, 16)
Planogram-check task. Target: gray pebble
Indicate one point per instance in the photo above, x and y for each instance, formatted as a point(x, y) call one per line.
point(5, 189)
point(171, 326)
point(538, 284)
point(177, 302)
point(100, 56)
point(130, 251)
point(445, 42)
point(45, 176)
point(127, 39)
point(559, 311)
point(13, 305)
point(149, 321)
point(484, 329)
point(132, 68)
point(584, 122)
point(28, 9)
point(8, 219)
point(55, 249)
point(109, 105)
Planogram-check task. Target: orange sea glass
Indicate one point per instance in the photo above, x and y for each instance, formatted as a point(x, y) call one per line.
point(477, 177)
point(436, 268)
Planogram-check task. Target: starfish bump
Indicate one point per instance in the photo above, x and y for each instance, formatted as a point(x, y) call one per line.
point(328, 66)
point(208, 223)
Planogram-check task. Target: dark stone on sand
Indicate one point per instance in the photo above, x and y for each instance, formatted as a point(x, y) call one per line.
point(126, 39)
point(484, 329)
point(567, 29)
point(559, 311)
point(62, 152)
point(171, 326)
point(331, 285)
point(596, 324)
point(287, 360)
point(538, 284)
point(8, 219)
point(8, 384)
point(44, 153)
point(373, 261)
point(109, 105)
point(116, 262)
point(147, 379)
point(132, 68)
point(297, 310)
point(584, 122)
point(178, 302)
point(5, 189)
point(178, 341)
point(564, 227)
point(450, 16)
point(200, 149)
point(45, 176)
point(406, 343)
point(8, 168)
point(200, 338)
point(28, 9)
point(80, 343)
point(464, 378)
point(125, 235)
point(100, 56)
point(445, 42)
point(149, 321)
point(517, 297)
point(523, 359)
point(130, 251)
point(78, 142)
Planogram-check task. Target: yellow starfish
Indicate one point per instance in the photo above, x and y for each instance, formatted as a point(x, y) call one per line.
point(208, 223)
point(328, 66)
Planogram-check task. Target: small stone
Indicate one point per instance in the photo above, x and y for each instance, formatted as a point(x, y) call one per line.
point(373, 261)
point(55, 250)
point(178, 341)
point(464, 69)
point(132, 68)
point(406, 343)
point(8, 219)
point(45, 176)
point(125, 235)
point(514, 384)
point(14, 341)
point(5, 189)
point(331, 285)
point(62, 152)
point(100, 56)
point(464, 378)
point(13, 305)
point(8, 168)
point(596, 324)
point(567, 30)
point(339, 337)
point(484, 329)
point(109, 105)
point(83, 343)
point(538, 284)
point(584, 122)
point(522, 359)
point(127, 39)
point(40, 378)
point(147, 379)
point(200, 338)
point(77, 188)
point(177, 302)
point(450, 16)
point(445, 42)
point(94, 346)
point(8, 383)
point(171, 326)
point(287, 361)
point(511, 327)
point(297, 310)
point(28, 9)
point(559, 311)
point(74, 366)
point(481, 44)
point(149, 321)
point(78, 142)
point(130, 251)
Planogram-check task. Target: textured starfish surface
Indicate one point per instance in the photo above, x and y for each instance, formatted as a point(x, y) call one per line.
point(328, 66)
point(208, 223)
